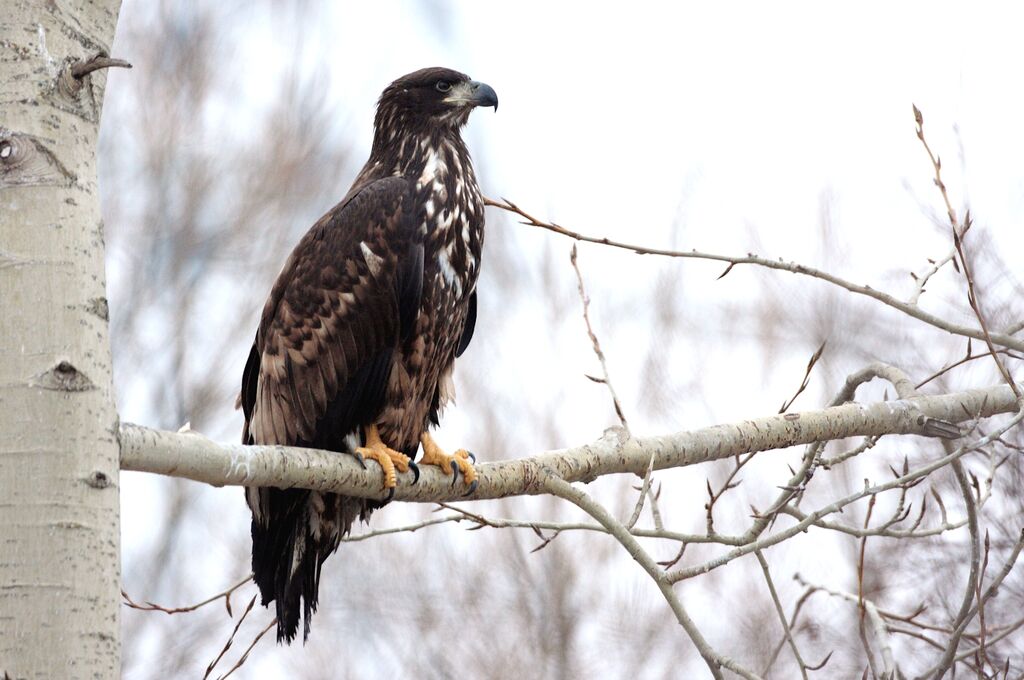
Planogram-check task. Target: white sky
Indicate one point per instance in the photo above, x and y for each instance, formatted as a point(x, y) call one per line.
point(716, 126)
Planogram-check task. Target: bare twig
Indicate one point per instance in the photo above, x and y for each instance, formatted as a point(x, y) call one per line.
point(965, 614)
point(81, 69)
point(959, 233)
point(606, 379)
point(963, 619)
point(969, 357)
point(409, 528)
point(807, 377)
point(791, 625)
point(786, 631)
point(231, 638)
point(645, 486)
point(748, 546)
point(245, 655)
point(907, 308)
point(152, 607)
point(879, 629)
point(559, 487)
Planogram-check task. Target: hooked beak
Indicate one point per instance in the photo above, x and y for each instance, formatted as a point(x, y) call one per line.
point(473, 93)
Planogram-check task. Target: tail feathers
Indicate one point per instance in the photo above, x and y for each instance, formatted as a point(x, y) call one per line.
point(286, 557)
point(293, 532)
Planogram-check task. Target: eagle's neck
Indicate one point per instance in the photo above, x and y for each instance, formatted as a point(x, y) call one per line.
point(451, 208)
point(409, 154)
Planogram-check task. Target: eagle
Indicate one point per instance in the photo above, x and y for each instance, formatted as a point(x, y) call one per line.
point(357, 341)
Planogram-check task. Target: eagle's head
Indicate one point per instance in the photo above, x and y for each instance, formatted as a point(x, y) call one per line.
point(431, 98)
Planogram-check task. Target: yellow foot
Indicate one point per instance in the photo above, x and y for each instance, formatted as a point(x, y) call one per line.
point(389, 459)
point(454, 464)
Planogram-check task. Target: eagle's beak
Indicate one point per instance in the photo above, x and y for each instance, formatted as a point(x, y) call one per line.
point(473, 93)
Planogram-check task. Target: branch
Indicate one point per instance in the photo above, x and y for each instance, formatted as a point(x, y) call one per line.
point(195, 457)
point(81, 69)
point(878, 627)
point(585, 299)
point(908, 308)
point(959, 234)
point(562, 489)
point(153, 607)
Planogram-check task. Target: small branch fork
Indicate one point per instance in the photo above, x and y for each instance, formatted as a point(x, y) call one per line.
point(152, 607)
point(226, 596)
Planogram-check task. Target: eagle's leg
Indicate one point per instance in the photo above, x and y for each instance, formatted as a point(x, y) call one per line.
point(458, 462)
point(389, 459)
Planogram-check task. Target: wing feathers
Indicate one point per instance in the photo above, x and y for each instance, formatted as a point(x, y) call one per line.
point(347, 296)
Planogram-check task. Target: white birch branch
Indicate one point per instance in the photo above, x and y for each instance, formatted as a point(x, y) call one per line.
point(195, 457)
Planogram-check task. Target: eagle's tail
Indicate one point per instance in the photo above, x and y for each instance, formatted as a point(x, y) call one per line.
point(293, 532)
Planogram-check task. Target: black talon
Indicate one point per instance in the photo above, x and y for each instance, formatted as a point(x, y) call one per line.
point(472, 488)
point(415, 471)
point(472, 456)
point(359, 457)
point(391, 494)
point(455, 471)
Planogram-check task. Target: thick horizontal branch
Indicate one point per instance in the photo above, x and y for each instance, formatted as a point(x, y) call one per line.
point(195, 457)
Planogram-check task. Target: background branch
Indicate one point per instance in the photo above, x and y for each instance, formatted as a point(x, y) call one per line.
point(909, 308)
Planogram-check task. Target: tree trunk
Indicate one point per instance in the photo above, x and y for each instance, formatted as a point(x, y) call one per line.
point(59, 528)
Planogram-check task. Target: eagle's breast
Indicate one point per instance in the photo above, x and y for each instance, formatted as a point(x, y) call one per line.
point(450, 217)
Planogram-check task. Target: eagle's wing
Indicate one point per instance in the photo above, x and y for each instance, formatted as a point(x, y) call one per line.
point(467, 330)
point(349, 292)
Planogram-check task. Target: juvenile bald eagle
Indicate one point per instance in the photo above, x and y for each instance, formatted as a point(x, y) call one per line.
point(356, 344)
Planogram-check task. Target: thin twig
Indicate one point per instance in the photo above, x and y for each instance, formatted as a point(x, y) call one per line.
point(807, 377)
point(245, 654)
point(965, 614)
point(559, 487)
point(409, 528)
point(606, 379)
point(80, 69)
point(912, 476)
point(153, 607)
point(792, 624)
point(909, 309)
point(878, 626)
point(782, 614)
point(947, 659)
point(959, 234)
point(231, 638)
point(644, 488)
point(969, 357)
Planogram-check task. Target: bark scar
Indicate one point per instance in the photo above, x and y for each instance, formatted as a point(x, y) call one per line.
point(25, 161)
point(63, 377)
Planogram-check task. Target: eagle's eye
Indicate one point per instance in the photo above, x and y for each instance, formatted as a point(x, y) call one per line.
point(443, 86)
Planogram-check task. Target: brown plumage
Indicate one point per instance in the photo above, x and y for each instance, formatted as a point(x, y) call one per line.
point(363, 324)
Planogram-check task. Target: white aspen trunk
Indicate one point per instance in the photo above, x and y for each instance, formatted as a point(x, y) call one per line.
point(59, 528)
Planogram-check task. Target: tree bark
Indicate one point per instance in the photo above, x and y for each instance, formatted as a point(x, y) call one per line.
point(193, 456)
point(59, 528)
